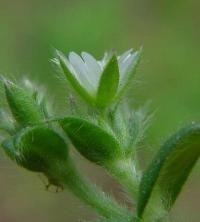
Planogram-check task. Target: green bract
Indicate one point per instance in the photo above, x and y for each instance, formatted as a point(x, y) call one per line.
point(102, 82)
point(36, 148)
point(93, 142)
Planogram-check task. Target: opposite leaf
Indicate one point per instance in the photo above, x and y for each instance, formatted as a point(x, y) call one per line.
point(36, 148)
point(93, 142)
point(108, 84)
point(164, 178)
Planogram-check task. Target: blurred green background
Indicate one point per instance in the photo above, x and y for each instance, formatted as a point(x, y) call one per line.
point(169, 75)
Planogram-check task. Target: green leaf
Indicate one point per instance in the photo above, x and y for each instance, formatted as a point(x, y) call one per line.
point(93, 142)
point(108, 84)
point(82, 92)
point(164, 178)
point(23, 106)
point(36, 148)
point(130, 74)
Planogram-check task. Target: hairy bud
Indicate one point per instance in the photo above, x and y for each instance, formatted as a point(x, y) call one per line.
point(22, 105)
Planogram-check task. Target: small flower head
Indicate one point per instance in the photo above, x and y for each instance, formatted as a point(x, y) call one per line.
point(93, 79)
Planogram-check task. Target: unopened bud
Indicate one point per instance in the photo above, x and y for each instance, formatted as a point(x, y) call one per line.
point(22, 105)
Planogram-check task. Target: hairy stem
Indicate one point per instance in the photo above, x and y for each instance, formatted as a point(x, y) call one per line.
point(66, 175)
point(124, 171)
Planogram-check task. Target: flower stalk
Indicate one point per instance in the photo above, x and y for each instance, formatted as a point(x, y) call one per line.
point(125, 172)
point(68, 176)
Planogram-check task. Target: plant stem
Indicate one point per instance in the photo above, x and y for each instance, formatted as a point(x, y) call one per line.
point(66, 174)
point(124, 171)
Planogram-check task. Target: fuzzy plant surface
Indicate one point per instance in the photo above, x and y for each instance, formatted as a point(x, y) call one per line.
point(104, 131)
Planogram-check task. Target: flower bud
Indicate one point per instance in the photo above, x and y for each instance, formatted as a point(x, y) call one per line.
point(99, 82)
point(22, 105)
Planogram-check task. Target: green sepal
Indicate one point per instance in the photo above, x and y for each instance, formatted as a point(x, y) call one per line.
point(74, 82)
point(129, 75)
point(22, 105)
point(36, 148)
point(93, 142)
point(164, 178)
point(108, 84)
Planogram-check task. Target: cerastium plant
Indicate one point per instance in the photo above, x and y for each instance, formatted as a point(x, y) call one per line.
point(104, 132)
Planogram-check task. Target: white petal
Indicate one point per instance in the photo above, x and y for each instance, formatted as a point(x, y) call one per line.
point(92, 66)
point(106, 58)
point(81, 71)
point(126, 67)
point(67, 63)
point(122, 58)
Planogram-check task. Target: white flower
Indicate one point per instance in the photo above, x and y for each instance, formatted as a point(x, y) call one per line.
point(91, 78)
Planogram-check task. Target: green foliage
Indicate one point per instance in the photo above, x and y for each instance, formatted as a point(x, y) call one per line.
point(41, 149)
point(36, 148)
point(164, 178)
point(93, 142)
point(105, 132)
